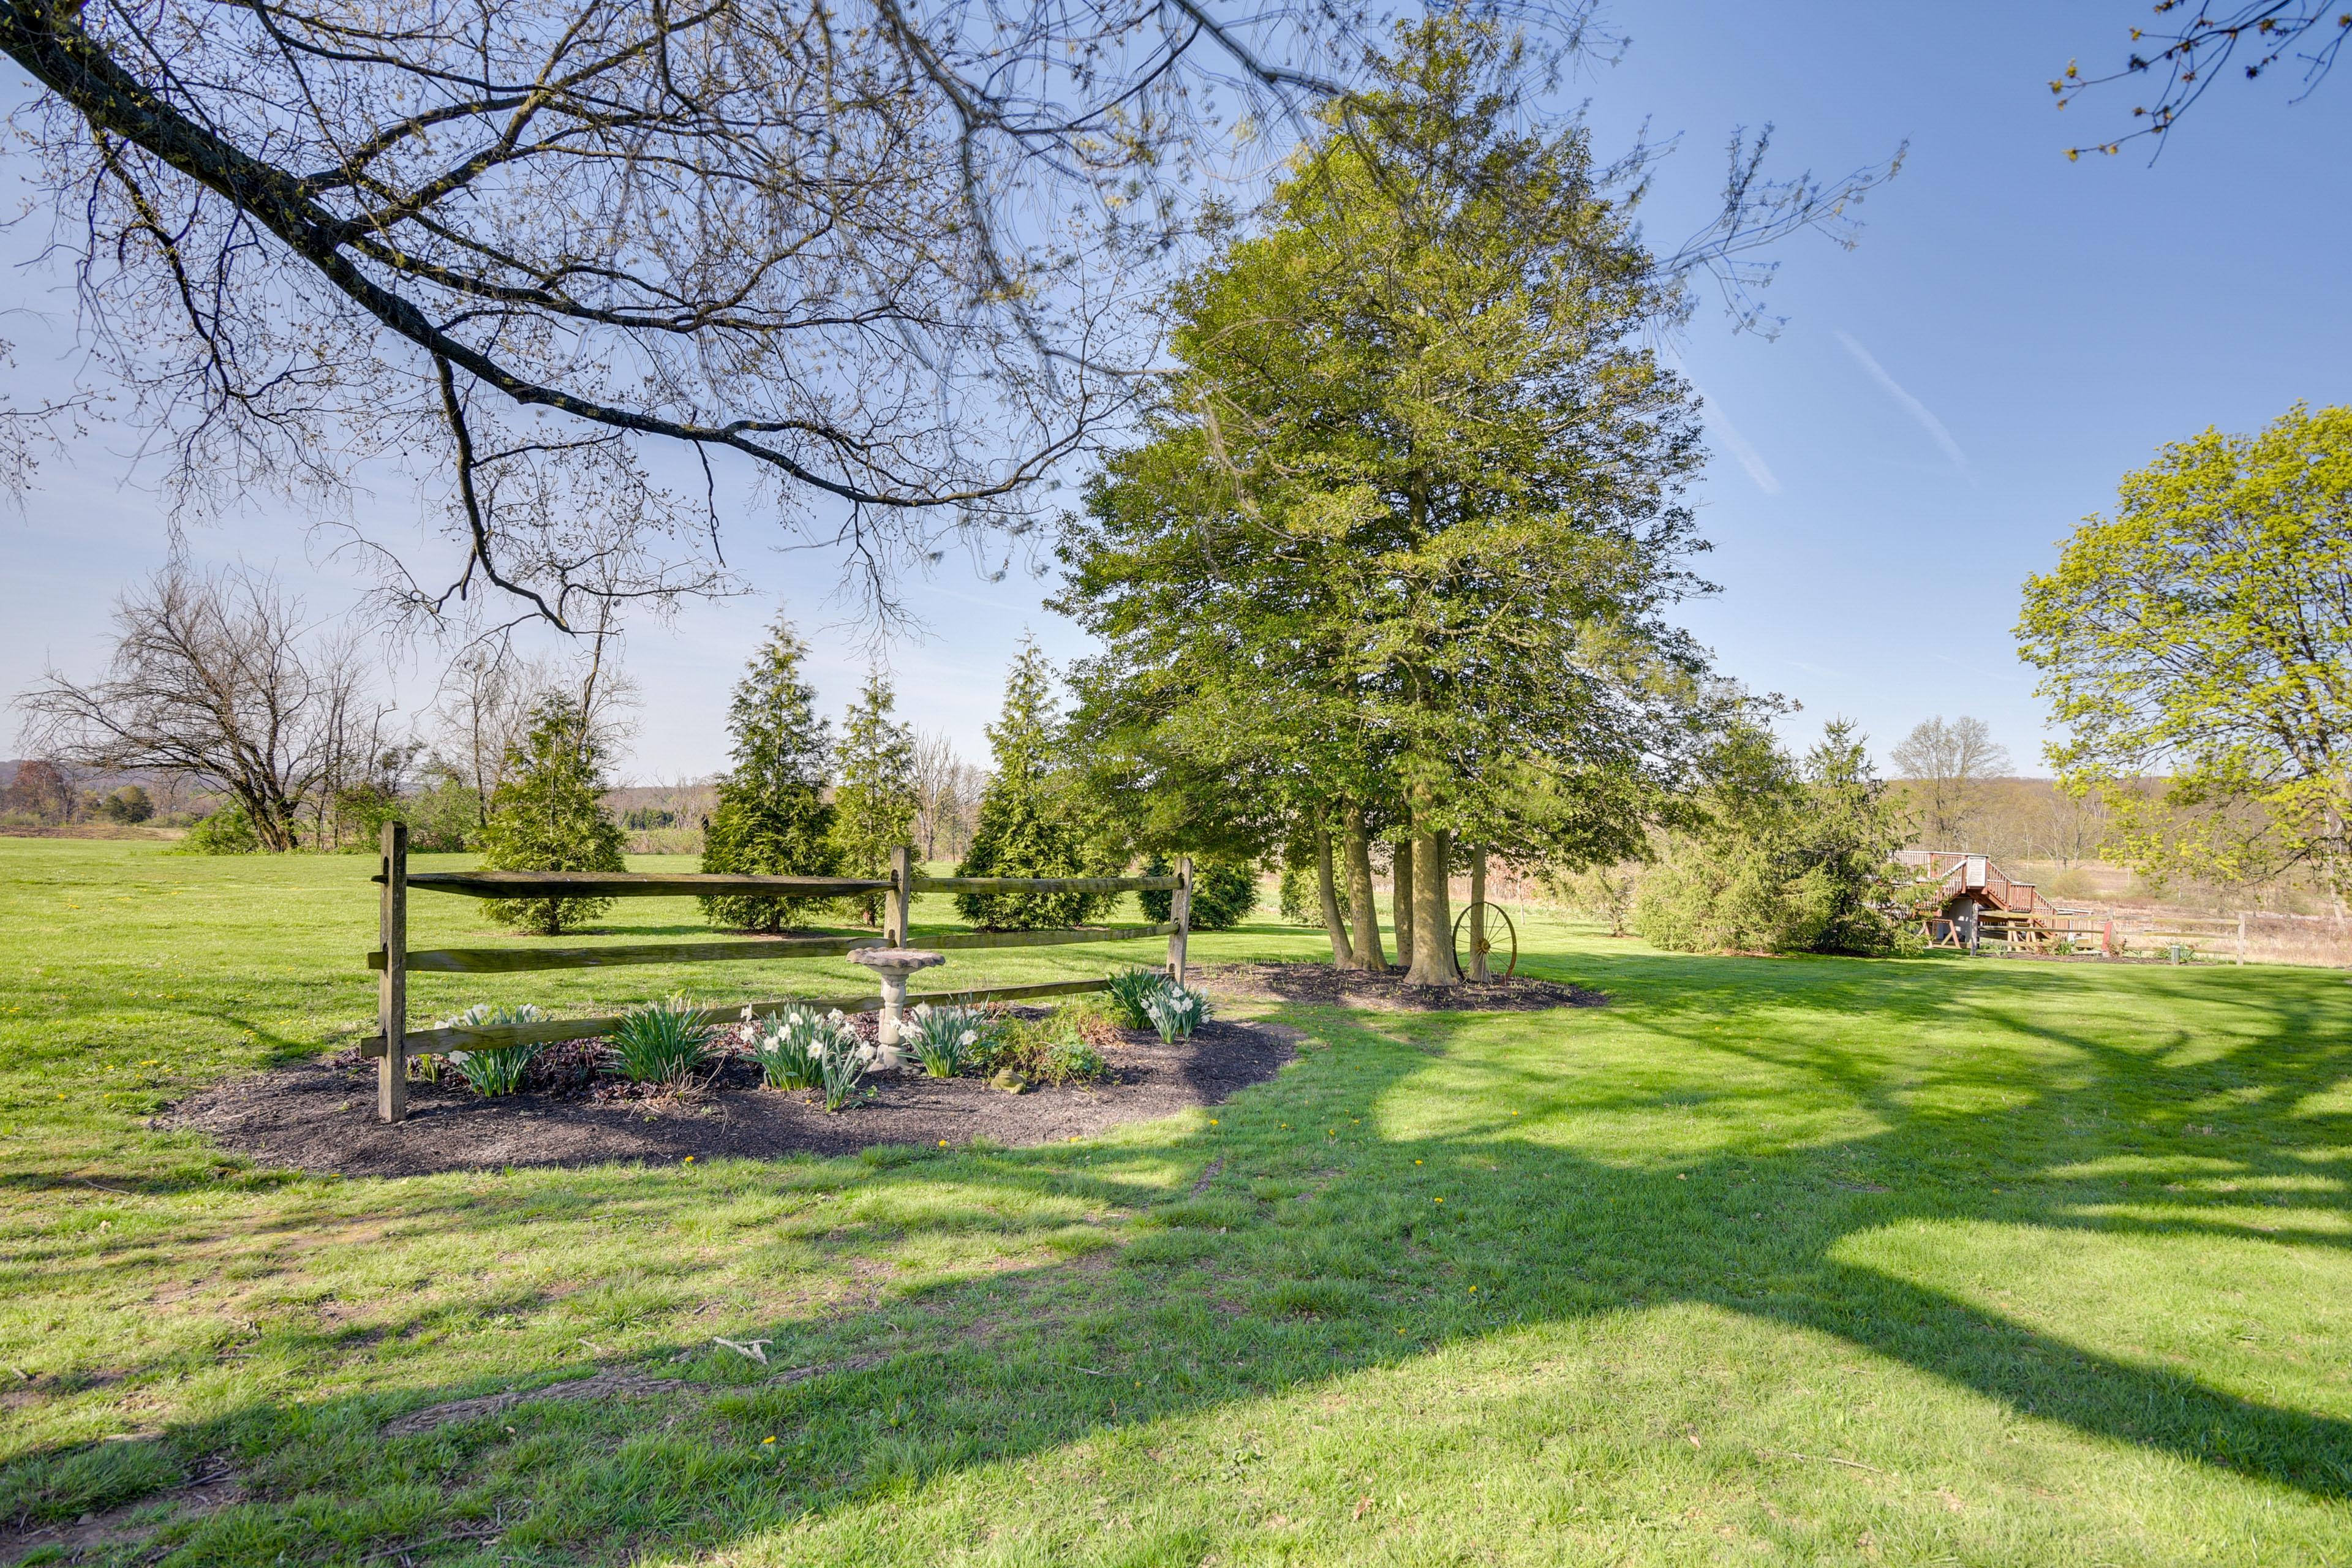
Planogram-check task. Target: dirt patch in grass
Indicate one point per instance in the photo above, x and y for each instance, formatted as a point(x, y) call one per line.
point(322, 1117)
point(1320, 985)
point(95, 830)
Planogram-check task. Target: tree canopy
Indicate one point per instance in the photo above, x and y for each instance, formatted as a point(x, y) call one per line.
point(1397, 549)
point(874, 262)
point(2203, 636)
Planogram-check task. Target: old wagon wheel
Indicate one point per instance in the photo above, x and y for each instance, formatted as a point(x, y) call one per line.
point(1510, 969)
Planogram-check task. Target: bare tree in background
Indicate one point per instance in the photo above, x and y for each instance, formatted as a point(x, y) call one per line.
point(892, 261)
point(219, 678)
point(483, 709)
point(947, 794)
point(1946, 766)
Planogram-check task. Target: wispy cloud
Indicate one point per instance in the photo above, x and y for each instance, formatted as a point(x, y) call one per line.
point(1911, 406)
point(1749, 458)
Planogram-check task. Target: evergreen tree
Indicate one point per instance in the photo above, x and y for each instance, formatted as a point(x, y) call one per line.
point(772, 819)
point(1025, 826)
point(549, 816)
point(1787, 857)
point(1394, 559)
point(874, 808)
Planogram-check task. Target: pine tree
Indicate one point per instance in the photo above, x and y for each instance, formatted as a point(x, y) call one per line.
point(549, 815)
point(772, 819)
point(1024, 828)
point(874, 808)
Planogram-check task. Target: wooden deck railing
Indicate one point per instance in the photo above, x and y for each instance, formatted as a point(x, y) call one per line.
point(393, 960)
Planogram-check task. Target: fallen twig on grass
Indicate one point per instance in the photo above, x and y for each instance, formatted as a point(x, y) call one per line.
point(755, 1349)
point(601, 1384)
point(1828, 1460)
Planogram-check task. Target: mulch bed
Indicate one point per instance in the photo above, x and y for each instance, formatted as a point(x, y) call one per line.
point(321, 1117)
point(1320, 985)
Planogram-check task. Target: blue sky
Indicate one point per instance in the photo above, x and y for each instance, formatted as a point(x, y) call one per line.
point(2013, 333)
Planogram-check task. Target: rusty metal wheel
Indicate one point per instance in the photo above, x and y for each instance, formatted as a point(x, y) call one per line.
point(1513, 931)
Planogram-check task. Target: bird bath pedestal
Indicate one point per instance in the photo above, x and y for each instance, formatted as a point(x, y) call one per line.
point(893, 965)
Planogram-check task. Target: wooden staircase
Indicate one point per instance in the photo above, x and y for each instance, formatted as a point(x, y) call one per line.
point(2017, 910)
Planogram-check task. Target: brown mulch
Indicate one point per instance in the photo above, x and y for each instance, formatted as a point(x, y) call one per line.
point(321, 1116)
point(1320, 985)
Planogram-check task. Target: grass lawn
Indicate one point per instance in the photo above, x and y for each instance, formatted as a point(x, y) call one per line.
point(1809, 1260)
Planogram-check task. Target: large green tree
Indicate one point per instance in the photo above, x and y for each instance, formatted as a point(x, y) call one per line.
point(874, 807)
point(2202, 636)
point(773, 819)
point(1029, 823)
point(1397, 548)
point(549, 816)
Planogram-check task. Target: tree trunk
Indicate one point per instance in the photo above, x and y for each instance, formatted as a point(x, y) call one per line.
point(1363, 914)
point(1343, 955)
point(1401, 904)
point(1478, 970)
point(1433, 928)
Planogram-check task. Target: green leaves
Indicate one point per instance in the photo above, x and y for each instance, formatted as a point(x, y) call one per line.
point(549, 815)
point(771, 819)
point(2202, 637)
point(1027, 823)
point(1404, 529)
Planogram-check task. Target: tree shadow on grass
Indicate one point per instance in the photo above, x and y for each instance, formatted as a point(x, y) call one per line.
point(1305, 1230)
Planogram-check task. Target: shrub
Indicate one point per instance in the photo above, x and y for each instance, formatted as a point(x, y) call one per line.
point(941, 1038)
point(1052, 1050)
point(493, 1069)
point(228, 831)
point(1788, 857)
point(1128, 990)
point(791, 1046)
point(1175, 1011)
point(128, 805)
point(661, 1042)
point(1224, 893)
point(444, 818)
point(1300, 901)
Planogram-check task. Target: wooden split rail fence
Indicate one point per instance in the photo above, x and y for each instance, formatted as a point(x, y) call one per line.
point(394, 960)
point(2112, 934)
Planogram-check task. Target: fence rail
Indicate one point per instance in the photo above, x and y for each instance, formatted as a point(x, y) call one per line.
point(509, 960)
point(393, 1042)
point(636, 885)
point(1046, 884)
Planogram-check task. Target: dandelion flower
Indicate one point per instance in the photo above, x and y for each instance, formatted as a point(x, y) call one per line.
point(943, 1142)
point(766, 1440)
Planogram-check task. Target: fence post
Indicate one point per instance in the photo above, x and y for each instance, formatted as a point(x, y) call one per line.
point(392, 990)
point(1180, 913)
point(900, 899)
point(2241, 936)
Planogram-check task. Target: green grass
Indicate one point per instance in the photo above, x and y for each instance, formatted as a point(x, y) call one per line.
point(1804, 1260)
